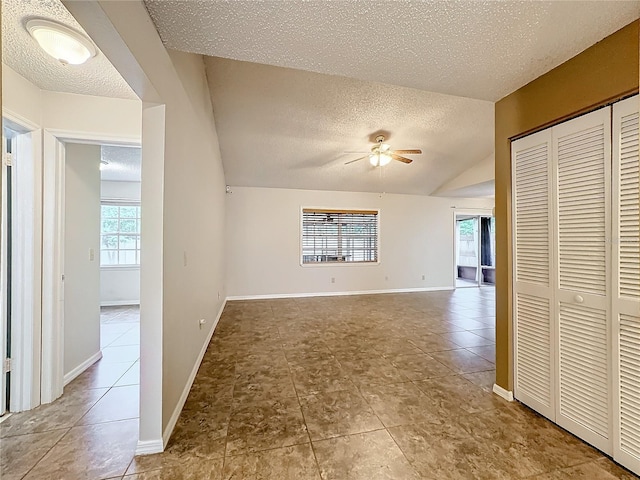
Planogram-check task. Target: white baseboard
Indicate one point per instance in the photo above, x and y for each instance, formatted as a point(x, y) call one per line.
point(81, 368)
point(335, 294)
point(119, 303)
point(148, 447)
point(187, 388)
point(501, 392)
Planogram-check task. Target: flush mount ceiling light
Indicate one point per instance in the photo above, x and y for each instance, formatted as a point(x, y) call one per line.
point(61, 42)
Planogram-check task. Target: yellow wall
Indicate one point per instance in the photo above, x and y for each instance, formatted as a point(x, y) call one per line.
point(603, 73)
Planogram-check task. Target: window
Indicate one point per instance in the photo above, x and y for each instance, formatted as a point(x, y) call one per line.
point(339, 236)
point(120, 234)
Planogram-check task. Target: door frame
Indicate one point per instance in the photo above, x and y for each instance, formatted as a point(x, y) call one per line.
point(25, 265)
point(53, 250)
point(477, 213)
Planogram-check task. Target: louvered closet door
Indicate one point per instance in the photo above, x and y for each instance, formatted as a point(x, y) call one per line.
point(532, 266)
point(582, 176)
point(626, 283)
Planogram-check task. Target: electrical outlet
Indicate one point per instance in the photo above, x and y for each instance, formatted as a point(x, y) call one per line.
point(218, 295)
point(92, 254)
point(386, 278)
point(184, 258)
point(201, 323)
point(333, 279)
point(423, 277)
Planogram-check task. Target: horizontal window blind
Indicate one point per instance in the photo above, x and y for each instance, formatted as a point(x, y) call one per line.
point(339, 236)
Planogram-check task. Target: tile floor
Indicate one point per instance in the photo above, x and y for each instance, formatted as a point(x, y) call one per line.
point(92, 430)
point(394, 386)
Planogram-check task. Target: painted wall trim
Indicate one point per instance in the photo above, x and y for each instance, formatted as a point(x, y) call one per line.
point(335, 294)
point(187, 388)
point(501, 392)
point(82, 367)
point(148, 447)
point(119, 303)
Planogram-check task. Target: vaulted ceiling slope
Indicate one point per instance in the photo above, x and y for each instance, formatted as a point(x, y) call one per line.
point(297, 83)
point(287, 128)
point(477, 49)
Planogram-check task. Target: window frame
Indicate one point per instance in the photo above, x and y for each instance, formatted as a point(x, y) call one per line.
point(121, 203)
point(374, 211)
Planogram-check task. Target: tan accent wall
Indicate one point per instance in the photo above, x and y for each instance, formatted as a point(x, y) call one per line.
point(603, 73)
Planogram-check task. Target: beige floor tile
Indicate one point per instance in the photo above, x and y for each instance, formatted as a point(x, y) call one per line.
point(400, 404)
point(90, 452)
point(364, 456)
point(194, 469)
point(265, 424)
point(332, 414)
point(128, 353)
point(323, 374)
point(418, 367)
point(488, 352)
point(289, 463)
point(63, 413)
point(433, 343)
point(462, 361)
point(99, 375)
point(119, 403)
point(446, 451)
point(467, 339)
point(131, 376)
point(484, 380)
point(20, 453)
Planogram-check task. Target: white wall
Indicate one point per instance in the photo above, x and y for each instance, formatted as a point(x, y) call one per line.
point(81, 269)
point(183, 194)
point(263, 242)
point(120, 285)
point(99, 116)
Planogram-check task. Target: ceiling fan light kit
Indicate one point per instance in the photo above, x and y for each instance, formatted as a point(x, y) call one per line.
point(61, 42)
point(381, 154)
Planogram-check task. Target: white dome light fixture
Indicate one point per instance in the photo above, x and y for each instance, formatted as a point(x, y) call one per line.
point(380, 154)
point(61, 42)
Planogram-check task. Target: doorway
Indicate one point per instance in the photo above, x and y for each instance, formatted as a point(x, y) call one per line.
point(475, 250)
point(5, 269)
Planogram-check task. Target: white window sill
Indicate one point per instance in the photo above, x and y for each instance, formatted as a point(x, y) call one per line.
point(339, 264)
point(120, 267)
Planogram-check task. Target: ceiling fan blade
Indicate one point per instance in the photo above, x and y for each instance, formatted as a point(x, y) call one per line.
point(408, 152)
point(353, 161)
point(401, 159)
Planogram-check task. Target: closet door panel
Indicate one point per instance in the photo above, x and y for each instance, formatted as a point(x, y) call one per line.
point(532, 266)
point(626, 283)
point(582, 176)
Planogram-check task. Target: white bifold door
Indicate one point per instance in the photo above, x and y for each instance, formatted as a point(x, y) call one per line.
point(577, 277)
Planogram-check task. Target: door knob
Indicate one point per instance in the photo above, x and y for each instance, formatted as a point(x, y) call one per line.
point(578, 299)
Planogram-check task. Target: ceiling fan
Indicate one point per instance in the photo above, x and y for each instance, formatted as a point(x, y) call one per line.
point(381, 154)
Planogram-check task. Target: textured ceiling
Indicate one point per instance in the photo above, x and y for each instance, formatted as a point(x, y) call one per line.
point(280, 127)
point(123, 164)
point(22, 53)
point(477, 49)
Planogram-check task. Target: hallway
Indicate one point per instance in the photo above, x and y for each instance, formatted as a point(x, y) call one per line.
point(95, 422)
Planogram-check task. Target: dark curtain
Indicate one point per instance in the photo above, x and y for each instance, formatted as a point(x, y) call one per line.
point(485, 241)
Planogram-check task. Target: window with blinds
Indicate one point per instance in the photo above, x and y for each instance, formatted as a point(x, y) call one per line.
point(339, 236)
